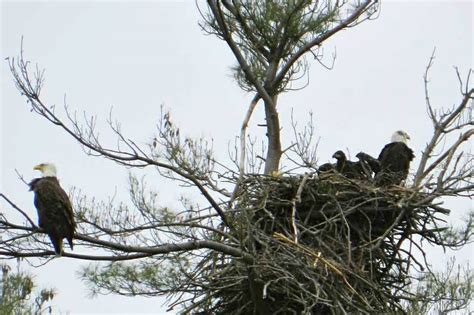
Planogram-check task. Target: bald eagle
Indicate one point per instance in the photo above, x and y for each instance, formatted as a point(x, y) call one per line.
point(326, 167)
point(54, 208)
point(369, 164)
point(394, 160)
point(348, 168)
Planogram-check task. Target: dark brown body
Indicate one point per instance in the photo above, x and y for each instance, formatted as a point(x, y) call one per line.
point(348, 168)
point(394, 161)
point(55, 213)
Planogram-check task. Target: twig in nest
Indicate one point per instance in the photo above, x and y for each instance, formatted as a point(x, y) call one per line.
point(293, 208)
point(317, 256)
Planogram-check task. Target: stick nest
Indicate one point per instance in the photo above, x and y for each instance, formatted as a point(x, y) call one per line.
point(326, 245)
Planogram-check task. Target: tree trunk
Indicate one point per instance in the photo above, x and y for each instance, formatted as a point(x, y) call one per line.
point(272, 161)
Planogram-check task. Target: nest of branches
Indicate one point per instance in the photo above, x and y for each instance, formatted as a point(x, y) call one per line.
point(322, 245)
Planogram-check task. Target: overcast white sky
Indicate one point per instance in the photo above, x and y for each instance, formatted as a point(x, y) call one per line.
point(135, 56)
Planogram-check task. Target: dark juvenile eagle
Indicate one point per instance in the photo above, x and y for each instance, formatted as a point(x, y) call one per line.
point(369, 164)
point(54, 208)
point(394, 160)
point(326, 167)
point(348, 168)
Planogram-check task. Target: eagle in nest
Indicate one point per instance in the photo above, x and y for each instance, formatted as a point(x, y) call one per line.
point(393, 164)
point(55, 214)
point(395, 159)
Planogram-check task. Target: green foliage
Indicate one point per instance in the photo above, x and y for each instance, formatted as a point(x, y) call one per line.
point(17, 294)
point(443, 292)
point(141, 278)
point(270, 33)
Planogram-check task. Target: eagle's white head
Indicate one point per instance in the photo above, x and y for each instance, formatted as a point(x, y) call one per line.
point(400, 136)
point(46, 169)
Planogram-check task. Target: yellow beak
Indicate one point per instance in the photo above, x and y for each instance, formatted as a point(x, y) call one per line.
point(38, 167)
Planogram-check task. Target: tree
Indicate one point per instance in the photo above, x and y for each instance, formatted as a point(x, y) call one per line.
point(443, 292)
point(16, 294)
point(269, 41)
point(260, 243)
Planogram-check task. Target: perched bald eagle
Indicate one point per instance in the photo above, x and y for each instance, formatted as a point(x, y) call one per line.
point(54, 208)
point(395, 160)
